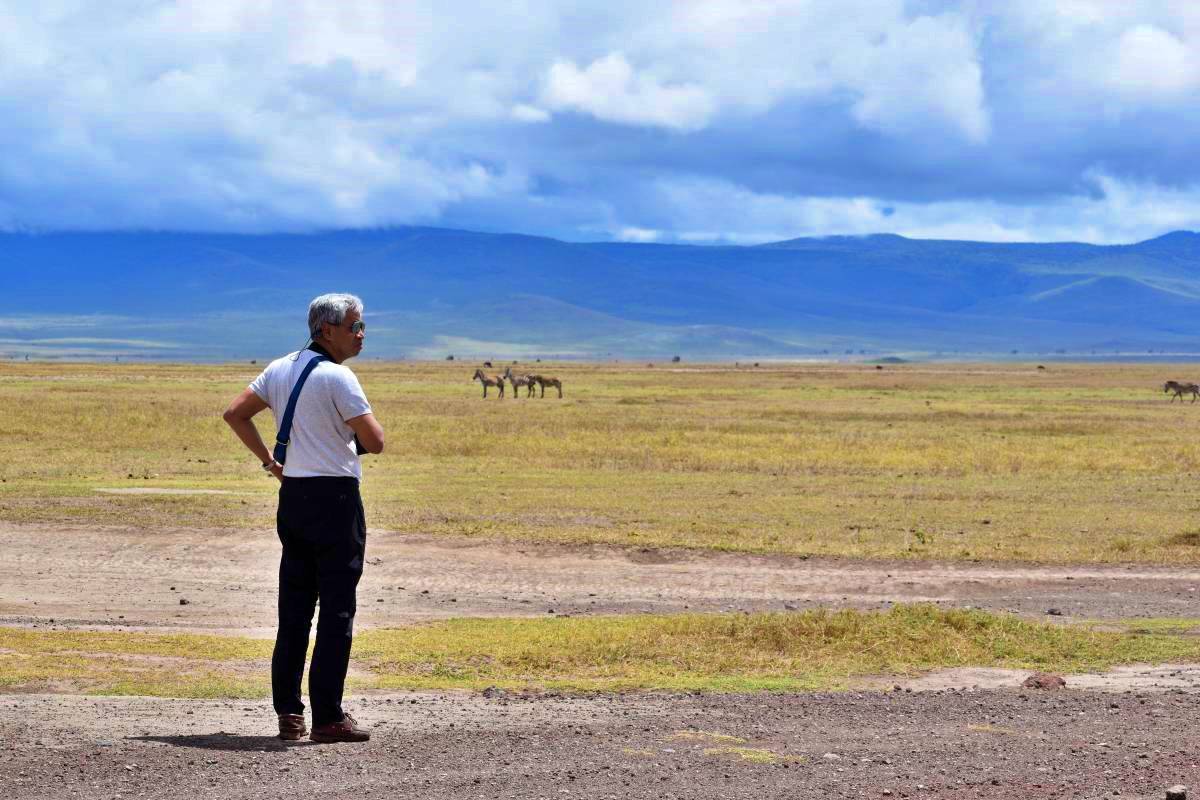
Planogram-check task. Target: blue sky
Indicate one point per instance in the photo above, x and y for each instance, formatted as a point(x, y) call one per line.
point(696, 121)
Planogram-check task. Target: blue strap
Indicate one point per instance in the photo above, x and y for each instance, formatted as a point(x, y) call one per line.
point(285, 425)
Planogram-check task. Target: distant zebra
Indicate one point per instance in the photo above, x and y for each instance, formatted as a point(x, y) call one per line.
point(545, 380)
point(517, 381)
point(487, 381)
point(1180, 389)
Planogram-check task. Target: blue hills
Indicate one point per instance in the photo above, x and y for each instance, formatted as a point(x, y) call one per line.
point(431, 292)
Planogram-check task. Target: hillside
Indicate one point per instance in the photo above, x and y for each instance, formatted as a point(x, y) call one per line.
point(432, 291)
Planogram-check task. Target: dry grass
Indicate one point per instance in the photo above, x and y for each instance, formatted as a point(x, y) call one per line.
point(815, 650)
point(812, 650)
point(1072, 463)
point(113, 663)
point(755, 755)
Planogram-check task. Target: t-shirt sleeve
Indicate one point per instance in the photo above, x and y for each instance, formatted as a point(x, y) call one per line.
point(259, 387)
point(349, 397)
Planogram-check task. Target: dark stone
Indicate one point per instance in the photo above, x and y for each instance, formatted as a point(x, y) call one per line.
point(1044, 680)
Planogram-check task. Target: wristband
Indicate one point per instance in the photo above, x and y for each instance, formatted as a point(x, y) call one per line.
point(267, 466)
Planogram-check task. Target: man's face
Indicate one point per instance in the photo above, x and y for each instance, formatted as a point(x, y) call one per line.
point(340, 340)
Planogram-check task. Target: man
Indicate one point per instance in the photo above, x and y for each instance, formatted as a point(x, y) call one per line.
point(320, 518)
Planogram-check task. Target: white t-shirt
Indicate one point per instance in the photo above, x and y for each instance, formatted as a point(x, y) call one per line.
point(321, 443)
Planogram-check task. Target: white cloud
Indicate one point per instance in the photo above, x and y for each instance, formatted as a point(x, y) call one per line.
point(1129, 210)
point(91, 340)
point(35, 322)
point(633, 234)
point(902, 75)
point(704, 211)
point(1121, 55)
point(226, 115)
point(924, 70)
point(1151, 61)
point(298, 114)
point(526, 113)
point(611, 90)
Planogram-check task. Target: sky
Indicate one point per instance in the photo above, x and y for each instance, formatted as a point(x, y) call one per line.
point(700, 121)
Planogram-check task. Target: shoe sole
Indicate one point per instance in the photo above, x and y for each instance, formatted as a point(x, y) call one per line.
point(321, 739)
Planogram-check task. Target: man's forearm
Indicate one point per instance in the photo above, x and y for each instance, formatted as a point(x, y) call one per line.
point(247, 431)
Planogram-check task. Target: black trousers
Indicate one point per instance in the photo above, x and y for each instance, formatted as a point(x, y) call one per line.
point(324, 534)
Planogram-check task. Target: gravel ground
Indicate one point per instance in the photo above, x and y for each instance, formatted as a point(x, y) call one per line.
point(962, 733)
point(995, 743)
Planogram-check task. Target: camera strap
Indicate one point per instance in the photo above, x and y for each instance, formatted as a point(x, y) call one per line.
point(285, 425)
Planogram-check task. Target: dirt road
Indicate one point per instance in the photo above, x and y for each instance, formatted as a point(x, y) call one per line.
point(134, 578)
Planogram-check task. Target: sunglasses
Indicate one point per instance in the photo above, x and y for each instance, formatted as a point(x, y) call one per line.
point(358, 326)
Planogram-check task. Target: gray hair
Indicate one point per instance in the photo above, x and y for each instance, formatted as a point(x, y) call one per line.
point(331, 308)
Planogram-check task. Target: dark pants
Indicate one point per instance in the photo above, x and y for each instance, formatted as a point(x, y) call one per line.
point(324, 534)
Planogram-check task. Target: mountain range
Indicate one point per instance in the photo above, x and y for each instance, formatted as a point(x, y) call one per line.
point(433, 292)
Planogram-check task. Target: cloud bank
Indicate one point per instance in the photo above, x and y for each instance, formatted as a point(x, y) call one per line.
point(704, 120)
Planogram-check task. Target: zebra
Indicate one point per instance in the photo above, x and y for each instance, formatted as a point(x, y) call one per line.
point(543, 381)
point(518, 381)
point(1180, 389)
point(496, 381)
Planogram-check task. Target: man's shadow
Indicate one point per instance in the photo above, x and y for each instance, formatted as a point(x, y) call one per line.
point(225, 741)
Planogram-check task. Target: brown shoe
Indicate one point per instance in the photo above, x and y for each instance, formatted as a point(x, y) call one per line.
point(291, 727)
point(345, 731)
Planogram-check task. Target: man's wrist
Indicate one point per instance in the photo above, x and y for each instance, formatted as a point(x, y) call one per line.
point(270, 465)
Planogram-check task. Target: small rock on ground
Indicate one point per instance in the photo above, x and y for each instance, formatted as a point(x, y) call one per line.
point(1044, 680)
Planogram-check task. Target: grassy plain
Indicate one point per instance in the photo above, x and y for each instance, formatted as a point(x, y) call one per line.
point(813, 650)
point(1071, 463)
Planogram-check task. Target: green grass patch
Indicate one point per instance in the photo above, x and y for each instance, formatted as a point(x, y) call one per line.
point(1169, 626)
point(186, 646)
point(120, 663)
point(813, 650)
point(98, 674)
point(735, 652)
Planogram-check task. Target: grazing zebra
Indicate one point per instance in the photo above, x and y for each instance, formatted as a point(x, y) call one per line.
point(1180, 389)
point(544, 381)
point(494, 380)
point(518, 381)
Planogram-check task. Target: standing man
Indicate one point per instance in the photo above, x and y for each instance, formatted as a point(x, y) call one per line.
point(320, 518)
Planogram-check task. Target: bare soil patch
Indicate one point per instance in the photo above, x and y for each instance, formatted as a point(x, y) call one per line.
point(1135, 678)
point(96, 576)
point(996, 743)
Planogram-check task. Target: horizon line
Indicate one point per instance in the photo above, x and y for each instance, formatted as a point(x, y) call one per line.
point(379, 229)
